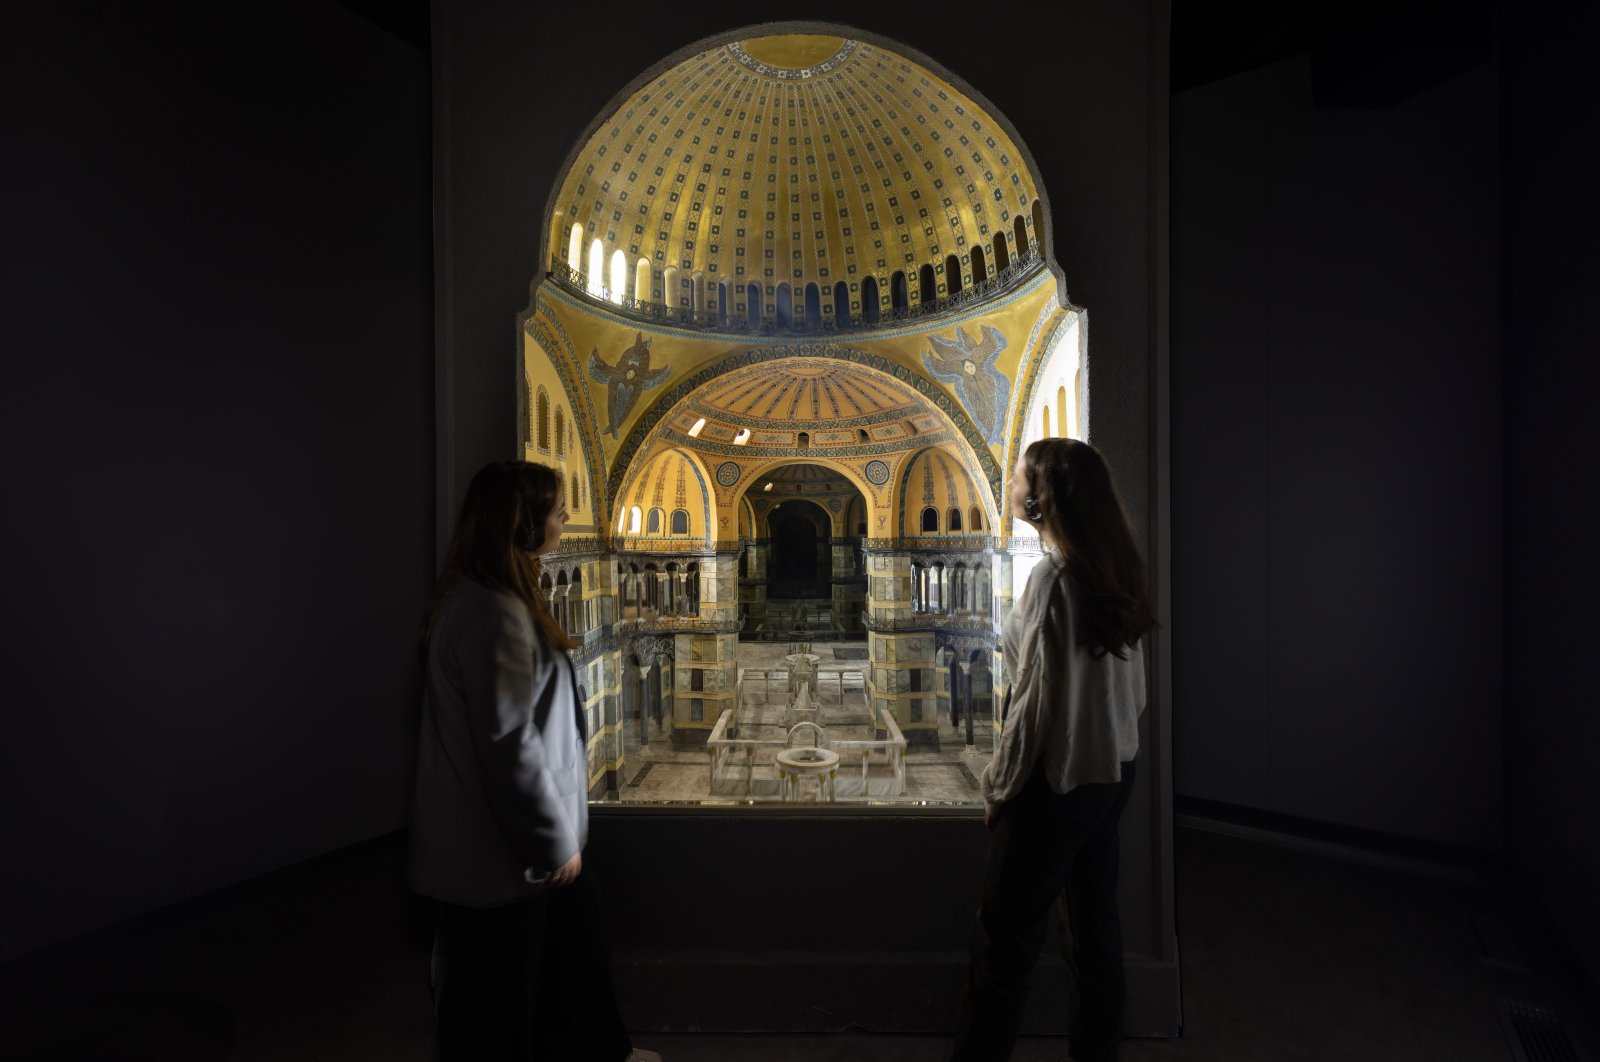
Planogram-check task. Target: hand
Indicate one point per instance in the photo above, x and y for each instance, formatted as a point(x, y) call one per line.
point(567, 872)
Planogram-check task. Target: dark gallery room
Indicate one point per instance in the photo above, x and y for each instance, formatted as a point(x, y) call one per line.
point(952, 609)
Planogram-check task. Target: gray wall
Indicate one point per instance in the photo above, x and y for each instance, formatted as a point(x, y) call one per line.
point(1337, 464)
point(218, 426)
point(1552, 226)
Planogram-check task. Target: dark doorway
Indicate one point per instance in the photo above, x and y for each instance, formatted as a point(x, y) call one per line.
point(795, 570)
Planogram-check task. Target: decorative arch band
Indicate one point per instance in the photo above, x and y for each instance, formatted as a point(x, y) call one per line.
point(756, 356)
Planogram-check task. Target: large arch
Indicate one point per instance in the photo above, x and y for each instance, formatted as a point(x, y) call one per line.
point(657, 415)
point(754, 473)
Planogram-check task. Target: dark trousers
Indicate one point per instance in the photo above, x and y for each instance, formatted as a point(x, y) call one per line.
point(1046, 846)
point(528, 981)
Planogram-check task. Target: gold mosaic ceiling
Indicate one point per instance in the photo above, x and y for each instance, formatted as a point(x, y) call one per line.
point(803, 391)
point(795, 158)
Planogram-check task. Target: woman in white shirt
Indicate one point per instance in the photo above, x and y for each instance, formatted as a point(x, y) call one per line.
point(501, 811)
point(1063, 767)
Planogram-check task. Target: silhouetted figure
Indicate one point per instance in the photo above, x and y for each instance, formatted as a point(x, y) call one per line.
point(1063, 765)
point(502, 810)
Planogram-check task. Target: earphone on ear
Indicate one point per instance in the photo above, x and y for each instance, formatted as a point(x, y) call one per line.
point(1030, 509)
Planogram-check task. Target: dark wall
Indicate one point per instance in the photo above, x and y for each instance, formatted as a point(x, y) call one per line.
point(1552, 225)
point(1337, 470)
point(217, 417)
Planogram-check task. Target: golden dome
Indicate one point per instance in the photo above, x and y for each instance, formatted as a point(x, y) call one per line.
point(796, 159)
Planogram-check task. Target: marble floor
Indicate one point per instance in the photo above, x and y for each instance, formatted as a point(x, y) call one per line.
point(660, 771)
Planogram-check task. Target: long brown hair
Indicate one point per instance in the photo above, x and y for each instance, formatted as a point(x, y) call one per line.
point(1081, 512)
point(501, 522)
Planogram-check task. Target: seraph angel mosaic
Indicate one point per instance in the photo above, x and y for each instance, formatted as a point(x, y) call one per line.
point(968, 366)
point(625, 381)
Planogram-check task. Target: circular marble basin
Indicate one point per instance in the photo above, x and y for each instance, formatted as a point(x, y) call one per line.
point(811, 760)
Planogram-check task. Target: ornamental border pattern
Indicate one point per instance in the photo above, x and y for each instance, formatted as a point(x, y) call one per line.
point(835, 453)
point(534, 326)
point(792, 73)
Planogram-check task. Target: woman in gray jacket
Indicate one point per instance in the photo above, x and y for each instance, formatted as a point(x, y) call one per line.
point(501, 812)
point(1063, 765)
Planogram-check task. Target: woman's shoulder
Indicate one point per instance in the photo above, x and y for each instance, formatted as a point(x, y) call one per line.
point(473, 601)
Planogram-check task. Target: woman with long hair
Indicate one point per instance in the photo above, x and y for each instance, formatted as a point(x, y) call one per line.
point(501, 812)
point(1063, 766)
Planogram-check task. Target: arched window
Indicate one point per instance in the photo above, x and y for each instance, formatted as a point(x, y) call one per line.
point(527, 412)
point(1061, 409)
point(752, 303)
point(803, 440)
point(542, 422)
point(1002, 254)
point(870, 310)
point(783, 309)
point(575, 249)
point(899, 294)
point(1038, 224)
point(928, 283)
point(561, 432)
point(862, 436)
point(577, 494)
point(975, 519)
point(653, 523)
point(671, 290)
point(634, 516)
point(841, 304)
point(619, 277)
point(1045, 420)
point(952, 274)
point(953, 520)
point(722, 303)
point(813, 306)
point(1021, 230)
point(597, 270)
point(980, 268)
point(697, 293)
point(680, 521)
point(642, 281)
point(930, 519)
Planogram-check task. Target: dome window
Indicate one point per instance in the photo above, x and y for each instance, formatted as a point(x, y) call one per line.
point(575, 249)
point(597, 265)
point(742, 438)
point(694, 432)
point(619, 277)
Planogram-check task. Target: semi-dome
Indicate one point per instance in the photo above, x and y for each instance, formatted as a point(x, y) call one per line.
point(794, 180)
point(800, 402)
